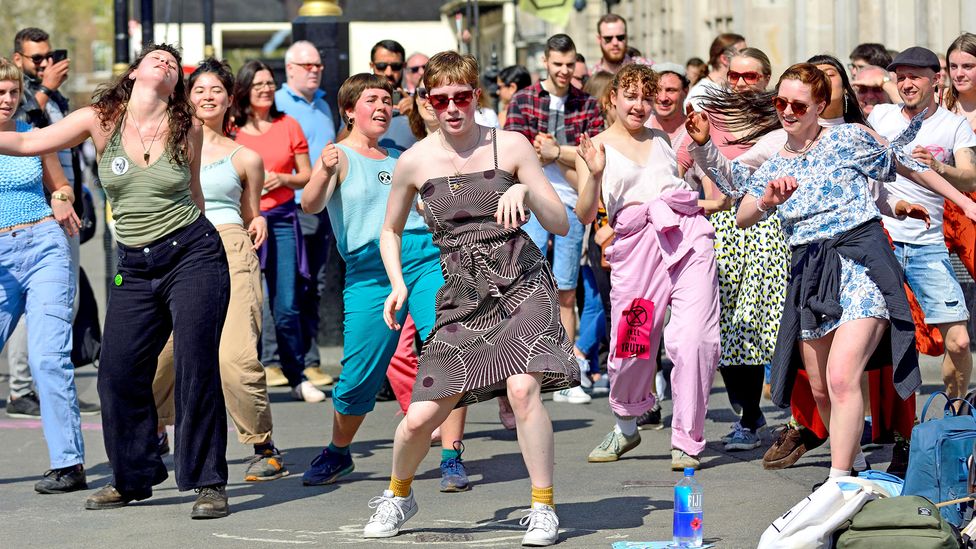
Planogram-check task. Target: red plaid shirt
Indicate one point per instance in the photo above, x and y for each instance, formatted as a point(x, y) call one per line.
point(528, 113)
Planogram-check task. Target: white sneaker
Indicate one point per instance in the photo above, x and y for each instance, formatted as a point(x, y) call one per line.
point(307, 392)
point(391, 513)
point(576, 395)
point(584, 366)
point(543, 526)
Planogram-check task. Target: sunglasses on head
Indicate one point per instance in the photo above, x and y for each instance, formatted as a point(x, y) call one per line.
point(799, 108)
point(619, 37)
point(381, 66)
point(751, 77)
point(440, 101)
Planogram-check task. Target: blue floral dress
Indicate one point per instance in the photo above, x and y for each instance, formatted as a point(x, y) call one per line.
point(833, 196)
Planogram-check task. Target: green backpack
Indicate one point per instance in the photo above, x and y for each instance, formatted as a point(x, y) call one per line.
point(903, 521)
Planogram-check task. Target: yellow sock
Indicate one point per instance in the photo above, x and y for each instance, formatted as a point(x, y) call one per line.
point(543, 495)
point(401, 488)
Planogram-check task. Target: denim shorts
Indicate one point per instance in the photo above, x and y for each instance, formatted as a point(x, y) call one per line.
point(566, 250)
point(930, 276)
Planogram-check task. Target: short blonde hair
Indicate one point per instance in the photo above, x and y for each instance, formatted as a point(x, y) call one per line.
point(451, 67)
point(11, 73)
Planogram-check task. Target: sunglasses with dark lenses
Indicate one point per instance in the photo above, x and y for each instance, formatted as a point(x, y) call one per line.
point(415, 70)
point(619, 37)
point(381, 66)
point(799, 108)
point(440, 101)
point(39, 58)
point(750, 77)
point(422, 93)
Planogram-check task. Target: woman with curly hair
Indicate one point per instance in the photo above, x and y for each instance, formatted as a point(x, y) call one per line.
point(172, 277)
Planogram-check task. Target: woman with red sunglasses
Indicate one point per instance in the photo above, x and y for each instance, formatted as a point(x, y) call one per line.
point(846, 289)
point(497, 330)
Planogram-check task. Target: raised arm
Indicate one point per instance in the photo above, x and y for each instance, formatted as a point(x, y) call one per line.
point(401, 201)
point(64, 134)
point(962, 176)
point(539, 195)
point(590, 162)
point(938, 184)
point(326, 177)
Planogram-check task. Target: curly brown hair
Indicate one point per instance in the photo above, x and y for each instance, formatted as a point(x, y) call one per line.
point(111, 100)
point(634, 75)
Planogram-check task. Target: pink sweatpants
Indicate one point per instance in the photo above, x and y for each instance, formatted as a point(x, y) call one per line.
point(664, 252)
point(402, 371)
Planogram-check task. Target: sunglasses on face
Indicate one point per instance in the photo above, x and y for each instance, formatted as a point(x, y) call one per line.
point(751, 77)
point(309, 66)
point(799, 108)
point(619, 37)
point(381, 66)
point(39, 58)
point(440, 101)
point(414, 70)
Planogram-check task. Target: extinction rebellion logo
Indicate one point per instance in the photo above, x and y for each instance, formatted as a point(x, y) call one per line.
point(385, 178)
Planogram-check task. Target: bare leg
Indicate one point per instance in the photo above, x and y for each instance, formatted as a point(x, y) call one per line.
point(853, 344)
point(814, 353)
point(452, 430)
point(957, 364)
point(412, 440)
point(344, 428)
point(534, 427)
point(567, 312)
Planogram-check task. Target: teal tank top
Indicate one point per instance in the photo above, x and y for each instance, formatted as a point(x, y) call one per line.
point(222, 191)
point(357, 208)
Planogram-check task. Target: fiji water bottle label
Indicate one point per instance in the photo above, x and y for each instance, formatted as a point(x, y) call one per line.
point(687, 513)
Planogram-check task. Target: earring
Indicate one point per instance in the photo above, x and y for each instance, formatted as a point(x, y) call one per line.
point(845, 102)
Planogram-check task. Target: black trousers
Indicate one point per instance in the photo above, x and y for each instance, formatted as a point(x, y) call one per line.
point(179, 283)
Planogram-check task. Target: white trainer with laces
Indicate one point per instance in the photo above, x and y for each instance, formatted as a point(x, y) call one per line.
point(307, 392)
point(391, 513)
point(543, 526)
point(576, 395)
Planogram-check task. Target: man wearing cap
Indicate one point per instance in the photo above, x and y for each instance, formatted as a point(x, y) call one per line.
point(943, 144)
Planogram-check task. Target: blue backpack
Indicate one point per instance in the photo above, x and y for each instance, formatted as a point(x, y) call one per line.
point(938, 463)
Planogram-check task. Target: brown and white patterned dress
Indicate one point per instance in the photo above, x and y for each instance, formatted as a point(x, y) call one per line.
point(498, 311)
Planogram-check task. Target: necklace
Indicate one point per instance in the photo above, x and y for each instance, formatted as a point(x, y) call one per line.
point(444, 145)
point(142, 140)
point(804, 148)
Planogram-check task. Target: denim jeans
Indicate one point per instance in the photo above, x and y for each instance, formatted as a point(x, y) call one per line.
point(566, 250)
point(36, 280)
point(179, 283)
point(281, 275)
point(593, 319)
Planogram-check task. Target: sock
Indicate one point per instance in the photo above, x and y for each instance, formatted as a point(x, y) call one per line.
point(794, 423)
point(260, 449)
point(860, 463)
point(627, 425)
point(449, 454)
point(542, 495)
point(400, 488)
point(342, 451)
point(838, 473)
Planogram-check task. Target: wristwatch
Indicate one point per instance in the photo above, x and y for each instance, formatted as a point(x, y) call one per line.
point(46, 90)
point(63, 196)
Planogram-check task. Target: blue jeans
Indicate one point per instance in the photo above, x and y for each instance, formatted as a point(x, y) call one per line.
point(930, 277)
point(36, 279)
point(566, 250)
point(281, 274)
point(593, 319)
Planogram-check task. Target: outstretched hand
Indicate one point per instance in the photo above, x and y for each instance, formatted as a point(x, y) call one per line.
point(697, 126)
point(779, 191)
point(915, 211)
point(595, 156)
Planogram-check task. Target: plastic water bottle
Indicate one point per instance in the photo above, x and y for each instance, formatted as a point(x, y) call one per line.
point(687, 527)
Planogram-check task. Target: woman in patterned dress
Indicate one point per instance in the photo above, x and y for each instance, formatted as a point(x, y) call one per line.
point(497, 329)
point(846, 288)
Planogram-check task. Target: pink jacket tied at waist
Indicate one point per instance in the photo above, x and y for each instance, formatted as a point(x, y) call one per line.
point(676, 218)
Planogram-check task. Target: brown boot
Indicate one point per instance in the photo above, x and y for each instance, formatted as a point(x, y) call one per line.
point(109, 498)
point(211, 503)
point(789, 447)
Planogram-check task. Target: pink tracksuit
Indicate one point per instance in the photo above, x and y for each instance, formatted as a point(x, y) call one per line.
point(664, 252)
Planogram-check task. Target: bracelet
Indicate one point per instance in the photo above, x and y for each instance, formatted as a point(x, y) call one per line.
point(759, 206)
point(45, 90)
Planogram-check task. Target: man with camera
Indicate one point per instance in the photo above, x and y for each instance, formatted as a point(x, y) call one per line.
point(45, 71)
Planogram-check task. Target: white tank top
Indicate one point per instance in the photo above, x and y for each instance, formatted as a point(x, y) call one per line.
point(626, 183)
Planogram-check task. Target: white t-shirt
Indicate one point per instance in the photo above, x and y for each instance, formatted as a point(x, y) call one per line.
point(699, 91)
point(567, 194)
point(942, 134)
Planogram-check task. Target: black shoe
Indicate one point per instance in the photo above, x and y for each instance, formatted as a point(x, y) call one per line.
point(62, 481)
point(899, 459)
point(88, 408)
point(651, 419)
point(26, 407)
point(211, 503)
point(162, 447)
point(110, 498)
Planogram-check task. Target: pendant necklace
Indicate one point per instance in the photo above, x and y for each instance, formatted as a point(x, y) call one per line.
point(142, 140)
point(805, 148)
point(457, 171)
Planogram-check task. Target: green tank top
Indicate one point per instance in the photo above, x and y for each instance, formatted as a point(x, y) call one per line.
point(147, 203)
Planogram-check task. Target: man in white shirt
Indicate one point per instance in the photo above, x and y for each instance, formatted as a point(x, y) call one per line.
point(944, 144)
point(719, 56)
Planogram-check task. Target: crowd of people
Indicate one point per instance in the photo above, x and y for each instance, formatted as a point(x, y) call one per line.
point(793, 236)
